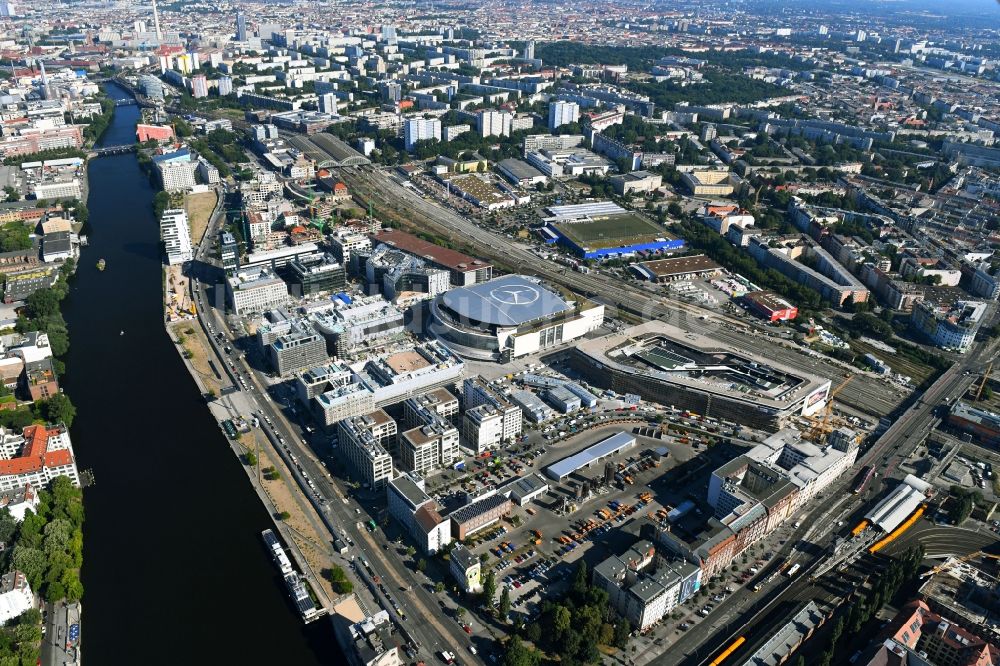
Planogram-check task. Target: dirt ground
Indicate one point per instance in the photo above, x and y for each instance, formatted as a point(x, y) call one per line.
point(199, 209)
point(177, 295)
point(282, 492)
point(196, 344)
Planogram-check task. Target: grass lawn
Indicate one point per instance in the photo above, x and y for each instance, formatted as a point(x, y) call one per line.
point(611, 231)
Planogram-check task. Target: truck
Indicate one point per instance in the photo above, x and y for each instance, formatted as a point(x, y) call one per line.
point(538, 537)
point(683, 509)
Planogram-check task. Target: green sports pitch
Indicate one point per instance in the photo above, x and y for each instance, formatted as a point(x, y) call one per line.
point(611, 231)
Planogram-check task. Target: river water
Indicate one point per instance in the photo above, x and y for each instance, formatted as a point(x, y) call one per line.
point(174, 568)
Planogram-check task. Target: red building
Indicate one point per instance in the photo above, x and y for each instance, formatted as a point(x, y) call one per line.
point(144, 133)
point(770, 306)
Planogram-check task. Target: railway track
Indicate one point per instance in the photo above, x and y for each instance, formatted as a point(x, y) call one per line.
point(866, 394)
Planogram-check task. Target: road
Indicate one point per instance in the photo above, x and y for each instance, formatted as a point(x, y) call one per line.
point(331, 508)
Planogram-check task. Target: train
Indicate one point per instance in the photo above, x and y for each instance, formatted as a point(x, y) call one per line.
point(863, 478)
point(733, 647)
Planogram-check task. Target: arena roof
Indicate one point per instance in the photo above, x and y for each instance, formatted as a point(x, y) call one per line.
point(510, 300)
point(606, 447)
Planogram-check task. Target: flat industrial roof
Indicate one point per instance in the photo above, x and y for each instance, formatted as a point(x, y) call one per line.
point(901, 502)
point(519, 169)
point(510, 300)
point(429, 251)
point(698, 263)
point(606, 447)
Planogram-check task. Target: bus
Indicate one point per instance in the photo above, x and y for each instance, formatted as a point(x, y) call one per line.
point(372, 526)
point(863, 478)
point(794, 569)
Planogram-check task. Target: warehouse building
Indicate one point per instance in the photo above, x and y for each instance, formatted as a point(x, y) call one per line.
point(981, 424)
point(596, 453)
point(770, 306)
point(676, 268)
point(478, 515)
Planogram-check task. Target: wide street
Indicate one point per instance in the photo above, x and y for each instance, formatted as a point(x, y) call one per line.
point(330, 503)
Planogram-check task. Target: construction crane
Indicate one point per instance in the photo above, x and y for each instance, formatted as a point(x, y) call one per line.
point(822, 427)
point(952, 561)
point(982, 384)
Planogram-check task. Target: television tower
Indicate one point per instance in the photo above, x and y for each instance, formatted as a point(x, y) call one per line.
point(156, 24)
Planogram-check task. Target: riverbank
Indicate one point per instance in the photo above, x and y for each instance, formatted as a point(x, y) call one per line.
point(172, 517)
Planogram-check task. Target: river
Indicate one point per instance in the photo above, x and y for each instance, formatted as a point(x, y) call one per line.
point(175, 571)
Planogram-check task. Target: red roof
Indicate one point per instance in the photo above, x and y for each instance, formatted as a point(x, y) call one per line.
point(426, 250)
point(36, 455)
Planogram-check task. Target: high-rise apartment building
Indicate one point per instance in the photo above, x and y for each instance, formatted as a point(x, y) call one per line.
point(563, 113)
point(421, 129)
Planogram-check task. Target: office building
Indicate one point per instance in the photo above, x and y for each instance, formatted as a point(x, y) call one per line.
point(176, 236)
point(229, 252)
point(365, 323)
point(241, 27)
point(302, 347)
point(316, 273)
point(403, 277)
point(363, 441)
point(482, 429)
point(477, 391)
point(463, 269)
point(176, 175)
point(410, 504)
point(255, 290)
point(429, 446)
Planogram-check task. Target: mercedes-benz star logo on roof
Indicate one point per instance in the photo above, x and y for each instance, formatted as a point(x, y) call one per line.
point(515, 295)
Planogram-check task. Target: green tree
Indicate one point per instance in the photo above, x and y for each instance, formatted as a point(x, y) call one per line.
point(251, 458)
point(59, 409)
point(42, 304)
point(31, 562)
point(622, 631)
point(489, 587)
point(421, 565)
point(561, 621)
point(504, 602)
point(580, 579)
point(518, 654)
